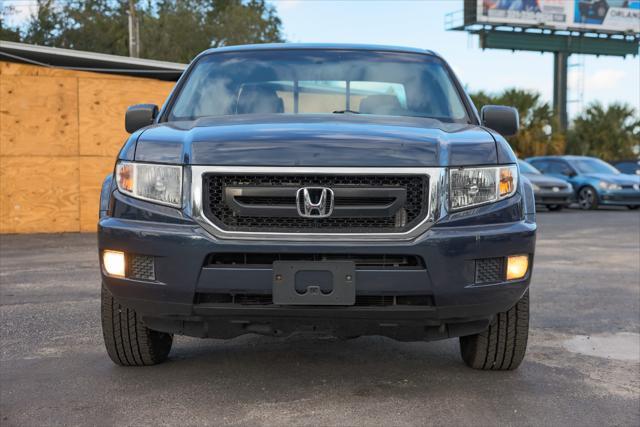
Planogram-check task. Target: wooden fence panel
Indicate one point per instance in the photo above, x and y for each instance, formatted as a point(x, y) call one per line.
point(38, 116)
point(39, 194)
point(60, 132)
point(103, 103)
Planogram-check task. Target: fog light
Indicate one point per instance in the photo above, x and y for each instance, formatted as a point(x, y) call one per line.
point(114, 263)
point(517, 266)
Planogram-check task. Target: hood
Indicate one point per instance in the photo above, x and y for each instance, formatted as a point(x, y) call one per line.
point(316, 140)
point(545, 180)
point(620, 179)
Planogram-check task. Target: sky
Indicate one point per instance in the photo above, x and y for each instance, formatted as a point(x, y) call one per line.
point(420, 23)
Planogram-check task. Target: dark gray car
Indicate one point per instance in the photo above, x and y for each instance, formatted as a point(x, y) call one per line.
point(551, 192)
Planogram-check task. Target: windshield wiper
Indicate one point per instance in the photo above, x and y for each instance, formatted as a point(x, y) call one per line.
point(346, 112)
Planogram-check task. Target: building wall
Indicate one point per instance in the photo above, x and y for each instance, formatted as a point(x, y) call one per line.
point(60, 132)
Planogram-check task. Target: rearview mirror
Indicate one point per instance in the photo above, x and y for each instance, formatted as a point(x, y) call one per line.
point(139, 116)
point(500, 118)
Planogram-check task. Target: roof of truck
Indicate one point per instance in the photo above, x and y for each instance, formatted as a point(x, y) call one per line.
point(319, 46)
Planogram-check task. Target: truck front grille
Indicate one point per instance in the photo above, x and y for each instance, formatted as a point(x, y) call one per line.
point(362, 204)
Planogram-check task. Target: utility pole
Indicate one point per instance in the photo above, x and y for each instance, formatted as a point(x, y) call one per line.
point(560, 72)
point(134, 31)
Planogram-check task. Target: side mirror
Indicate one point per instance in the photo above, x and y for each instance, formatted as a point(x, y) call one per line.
point(502, 119)
point(139, 116)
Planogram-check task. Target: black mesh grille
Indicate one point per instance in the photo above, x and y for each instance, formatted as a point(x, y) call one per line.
point(491, 270)
point(374, 300)
point(141, 267)
point(216, 209)
point(242, 299)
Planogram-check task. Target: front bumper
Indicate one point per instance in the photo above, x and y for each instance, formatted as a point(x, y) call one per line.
point(625, 197)
point(562, 197)
point(460, 307)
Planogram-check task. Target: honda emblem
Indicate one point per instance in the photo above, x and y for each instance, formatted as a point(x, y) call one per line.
point(314, 202)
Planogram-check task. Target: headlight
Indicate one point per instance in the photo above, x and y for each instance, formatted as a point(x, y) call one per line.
point(155, 183)
point(535, 187)
point(609, 185)
point(476, 186)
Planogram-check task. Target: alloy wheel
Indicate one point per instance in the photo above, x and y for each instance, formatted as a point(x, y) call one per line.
point(586, 198)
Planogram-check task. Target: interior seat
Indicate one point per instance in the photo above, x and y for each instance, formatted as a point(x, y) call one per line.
point(259, 100)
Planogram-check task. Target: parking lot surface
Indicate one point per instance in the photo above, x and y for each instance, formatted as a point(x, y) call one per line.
point(582, 365)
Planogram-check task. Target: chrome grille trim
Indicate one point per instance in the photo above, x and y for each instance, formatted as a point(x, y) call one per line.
point(435, 208)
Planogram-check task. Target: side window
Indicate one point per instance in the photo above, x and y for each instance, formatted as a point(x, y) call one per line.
point(541, 165)
point(566, 169)
point(560, 168)
point(627, 167)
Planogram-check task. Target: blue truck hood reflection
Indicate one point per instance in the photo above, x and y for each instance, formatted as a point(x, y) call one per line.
point(316, 140)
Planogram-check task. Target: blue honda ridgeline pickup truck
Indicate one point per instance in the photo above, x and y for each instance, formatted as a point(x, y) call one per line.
point(337, 189)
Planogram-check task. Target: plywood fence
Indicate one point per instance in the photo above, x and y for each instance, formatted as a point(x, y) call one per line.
point(60, 132)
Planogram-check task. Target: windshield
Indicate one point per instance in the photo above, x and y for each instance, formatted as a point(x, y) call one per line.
point(527, 168)
point(319, 82)
point(629, 167)
point(590, 165)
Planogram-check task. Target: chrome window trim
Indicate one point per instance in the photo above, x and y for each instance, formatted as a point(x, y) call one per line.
point(436, 202)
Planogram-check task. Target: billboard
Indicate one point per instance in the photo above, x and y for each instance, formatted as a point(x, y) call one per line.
point(607, 15)
point(595, 15)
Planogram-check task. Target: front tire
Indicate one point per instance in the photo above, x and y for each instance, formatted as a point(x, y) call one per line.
point(588, 198)
point(633, 207)
point(503, 345)
point(128, 341)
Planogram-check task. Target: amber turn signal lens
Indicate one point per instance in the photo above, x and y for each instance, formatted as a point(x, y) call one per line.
point(114, 263)
point(507, 181)
point(517, 267)
point(124, 175)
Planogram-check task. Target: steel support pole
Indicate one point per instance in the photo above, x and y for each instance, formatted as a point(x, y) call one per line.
point(134, 31)
point(560, 67)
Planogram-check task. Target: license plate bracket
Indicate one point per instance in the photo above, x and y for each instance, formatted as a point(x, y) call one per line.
point(314, 283)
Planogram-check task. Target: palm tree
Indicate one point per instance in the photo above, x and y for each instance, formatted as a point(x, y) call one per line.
point(610, 133)
point(537, 122)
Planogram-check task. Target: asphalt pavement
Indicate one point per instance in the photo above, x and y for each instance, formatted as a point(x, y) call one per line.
point(582, 366)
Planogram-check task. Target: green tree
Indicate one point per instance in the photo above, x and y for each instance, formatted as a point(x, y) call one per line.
point(211, 23)
point(609, 133)
point(171, 30)
point(44, 24)
point(481, 98)
point(537, 121)
point(95, 26)
point(8, 33)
